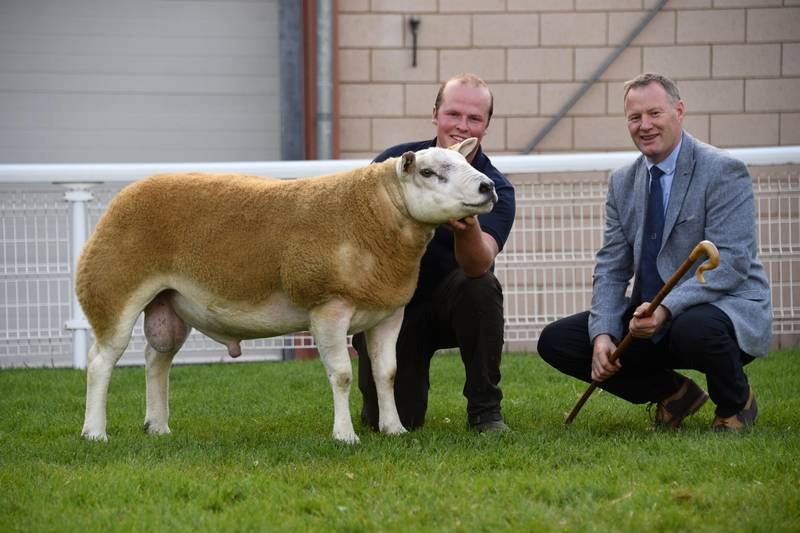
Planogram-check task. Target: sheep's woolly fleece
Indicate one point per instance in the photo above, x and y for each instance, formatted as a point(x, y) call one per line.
point(346, 235)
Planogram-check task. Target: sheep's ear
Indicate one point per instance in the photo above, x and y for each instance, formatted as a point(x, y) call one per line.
point(408, 160)
point(466, 146)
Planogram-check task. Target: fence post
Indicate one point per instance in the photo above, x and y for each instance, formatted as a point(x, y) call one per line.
point(78, 196)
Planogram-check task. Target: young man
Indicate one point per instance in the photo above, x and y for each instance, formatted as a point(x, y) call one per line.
point(458, 302)
point(679, 192)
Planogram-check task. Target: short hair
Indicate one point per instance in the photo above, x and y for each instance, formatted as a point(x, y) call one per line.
point(472, 80)
point(643, 80)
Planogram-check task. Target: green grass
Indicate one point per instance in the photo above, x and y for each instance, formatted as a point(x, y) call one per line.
point(250, 450)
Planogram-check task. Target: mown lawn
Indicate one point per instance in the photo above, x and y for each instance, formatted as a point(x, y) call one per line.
point(250, 451)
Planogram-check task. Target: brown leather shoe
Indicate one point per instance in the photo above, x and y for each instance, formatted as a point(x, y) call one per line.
point(741, 420)
point(671, 411)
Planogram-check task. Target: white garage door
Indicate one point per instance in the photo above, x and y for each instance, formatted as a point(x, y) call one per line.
point(139, 80)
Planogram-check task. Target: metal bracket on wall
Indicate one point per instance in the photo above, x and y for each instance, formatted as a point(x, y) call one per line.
point(594, 77)
point(413, 23)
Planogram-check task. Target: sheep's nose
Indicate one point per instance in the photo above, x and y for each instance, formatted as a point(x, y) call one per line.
point(486, 187)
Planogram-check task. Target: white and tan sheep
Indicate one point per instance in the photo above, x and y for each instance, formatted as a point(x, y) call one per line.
point(242, 257)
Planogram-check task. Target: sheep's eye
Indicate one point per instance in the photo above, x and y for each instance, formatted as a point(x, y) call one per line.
point(426, 172)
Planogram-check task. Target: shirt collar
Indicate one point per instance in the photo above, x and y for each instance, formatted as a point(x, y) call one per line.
point(668, 164)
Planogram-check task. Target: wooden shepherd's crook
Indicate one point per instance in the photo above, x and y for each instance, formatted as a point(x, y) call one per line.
point(703, 248)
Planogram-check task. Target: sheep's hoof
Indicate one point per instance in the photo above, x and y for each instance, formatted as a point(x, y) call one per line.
point(156, 429)
point(346, 438)
point(394, 429)
point(99, 436)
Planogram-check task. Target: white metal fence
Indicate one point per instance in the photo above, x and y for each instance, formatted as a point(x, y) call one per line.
point(545, 269)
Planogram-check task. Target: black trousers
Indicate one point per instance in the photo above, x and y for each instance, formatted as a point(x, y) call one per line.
point(701, 338)
point(464, 313)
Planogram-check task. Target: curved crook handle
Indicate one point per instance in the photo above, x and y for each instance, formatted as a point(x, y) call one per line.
point(707, 248)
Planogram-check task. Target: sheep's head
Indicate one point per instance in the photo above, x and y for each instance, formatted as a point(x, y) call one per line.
point(439, 184)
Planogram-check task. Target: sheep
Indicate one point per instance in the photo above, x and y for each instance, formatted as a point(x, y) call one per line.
point(242, 257)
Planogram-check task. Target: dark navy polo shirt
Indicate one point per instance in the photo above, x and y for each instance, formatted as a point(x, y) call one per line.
point(439, 259)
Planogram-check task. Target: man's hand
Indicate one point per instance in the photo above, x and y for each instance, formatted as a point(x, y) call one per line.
point(602, 367)
point(475, 250)
point(462, 224)
point(644, 328)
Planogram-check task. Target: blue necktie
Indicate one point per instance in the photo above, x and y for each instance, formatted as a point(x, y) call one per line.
point(651, 242)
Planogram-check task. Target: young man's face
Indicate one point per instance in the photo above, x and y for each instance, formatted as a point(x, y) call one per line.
point(654, 121)
point(463, 113)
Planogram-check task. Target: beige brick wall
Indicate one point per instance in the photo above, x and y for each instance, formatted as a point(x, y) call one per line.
point(737, 63)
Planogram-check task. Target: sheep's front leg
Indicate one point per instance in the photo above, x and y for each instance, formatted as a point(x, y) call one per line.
point(382, 347)
point(329, 325)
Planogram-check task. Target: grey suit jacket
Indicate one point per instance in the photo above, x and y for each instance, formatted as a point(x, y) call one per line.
point(711, 198)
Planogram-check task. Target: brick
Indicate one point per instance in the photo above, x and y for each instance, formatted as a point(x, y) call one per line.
point(608, 5)
point(387, 132)
point(773, 95)
point(747, 3)
point(687, 62)
point(353, 65)
point(773, 25)
point(540, 64)
point(489, 64)
point(746, 60)
point(420, 98)
point(520, 131)
point(555, 95)
point(538, 5)
point(678, 4)
point(626, 66)
point(711, 26)
point(471, 6)
point(353, 5)
point(450, 31)
point(790, 128)
point(395, 65)
point(602, 133)
point(745, 130)
point(407, 6)
point(355, 134)
point(615, 104)
point(357, 100)
point(375, 31)
point(791, 59)
point(495, 138)
point(712, 96)
point(506, 30)
point(515, 99)
point(581, 29)
point(660, 30)
point(697, 125)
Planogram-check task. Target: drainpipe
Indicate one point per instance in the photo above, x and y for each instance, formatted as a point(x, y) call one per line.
point(594, 77)
point(324, 112)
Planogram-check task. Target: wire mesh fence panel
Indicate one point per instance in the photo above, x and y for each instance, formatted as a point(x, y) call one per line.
point(545, 269)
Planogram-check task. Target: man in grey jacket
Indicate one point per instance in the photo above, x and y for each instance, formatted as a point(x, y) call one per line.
point(679, 192)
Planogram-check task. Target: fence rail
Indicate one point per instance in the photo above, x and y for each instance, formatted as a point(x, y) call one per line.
point(546, 268)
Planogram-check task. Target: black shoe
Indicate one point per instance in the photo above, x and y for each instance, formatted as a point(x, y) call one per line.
point(488, 423)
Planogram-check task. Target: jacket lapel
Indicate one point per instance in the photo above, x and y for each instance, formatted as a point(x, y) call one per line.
point(680, 184)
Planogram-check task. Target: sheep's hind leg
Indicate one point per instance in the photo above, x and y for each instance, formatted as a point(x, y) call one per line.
point(102, 358)
point(329, 325)
point(382, 345)
point(165, 333)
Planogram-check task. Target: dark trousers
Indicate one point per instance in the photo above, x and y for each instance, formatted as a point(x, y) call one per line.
point(464, 313)
point(701, 338)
